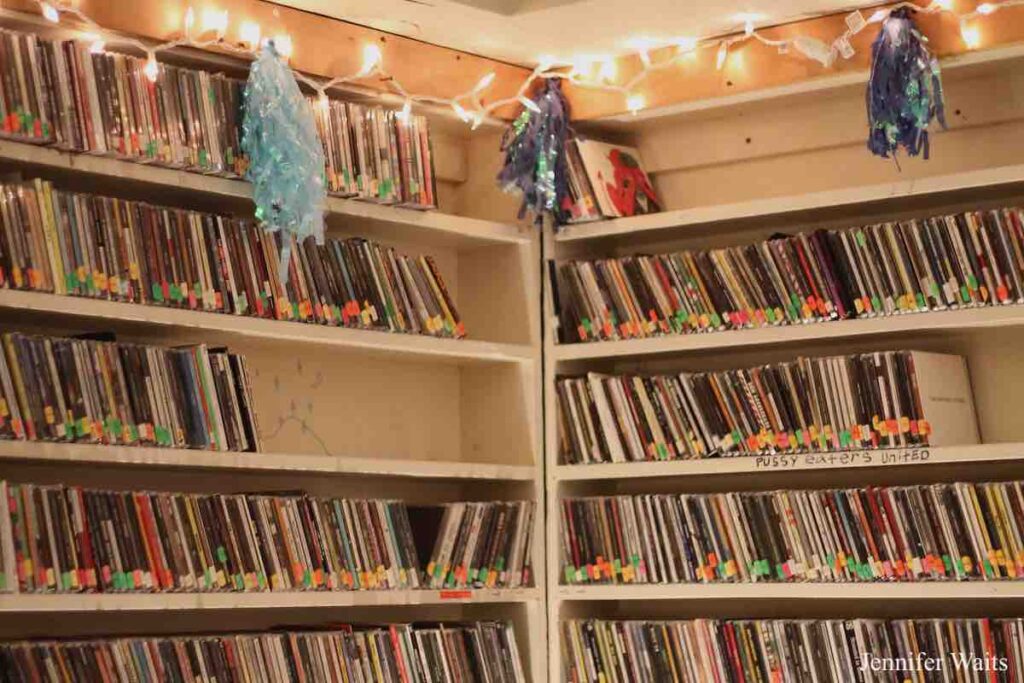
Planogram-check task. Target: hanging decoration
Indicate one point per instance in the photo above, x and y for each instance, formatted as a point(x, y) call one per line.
point(904, 91)
point(534, 147)
point(286, 159)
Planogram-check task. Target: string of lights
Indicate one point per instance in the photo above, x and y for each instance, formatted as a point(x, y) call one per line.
point(597, 74)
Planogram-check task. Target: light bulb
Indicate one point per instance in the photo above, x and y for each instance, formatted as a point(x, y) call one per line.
point(635, 103)
point(484, 82)
point(985, 8)
point(545, 62)
point(283, 45)
point(96, 44)
point(189, 21)
point(460, 111)
point(478, 118)
point(686, 44)
point(971, 35)
point(529, 104)
point(249, 32)
point(723, 52)
point(371, 59)
point(152, 69)
point(946, 5)
point(50, 12)
point(406, 112)
point(214, 20)
point(878, 16)
point(609, 69)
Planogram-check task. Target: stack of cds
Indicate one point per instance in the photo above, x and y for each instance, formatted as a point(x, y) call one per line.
point(70, 243)
point(57, 539)
point(915, 533)
point(483, 545)
point(56, 389)
point(396, 653)
point(63, 93)
point(944, 262)
point(873, 400)
point(828, 651)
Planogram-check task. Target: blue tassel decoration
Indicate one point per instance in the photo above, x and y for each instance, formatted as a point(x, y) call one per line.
point(905, 90)
point(534, 147)
point(286, 158)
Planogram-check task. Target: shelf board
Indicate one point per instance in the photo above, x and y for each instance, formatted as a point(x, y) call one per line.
point(970, 318)
point(139, 456)
point(844, 201)
point(930, 590)
point(427, 226)
point(121, 602)
point(414, 346)
point(742, 464)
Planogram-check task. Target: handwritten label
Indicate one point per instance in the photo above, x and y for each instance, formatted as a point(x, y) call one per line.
point(863, 458)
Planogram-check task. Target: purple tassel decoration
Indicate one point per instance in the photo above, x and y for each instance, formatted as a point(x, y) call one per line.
point(905, 90)
point(534, 147)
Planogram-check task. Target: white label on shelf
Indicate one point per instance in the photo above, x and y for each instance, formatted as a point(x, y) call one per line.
point(896, 456)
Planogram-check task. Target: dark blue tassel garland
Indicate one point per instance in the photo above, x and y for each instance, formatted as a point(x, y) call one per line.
point(534, 147)
point(905, 90)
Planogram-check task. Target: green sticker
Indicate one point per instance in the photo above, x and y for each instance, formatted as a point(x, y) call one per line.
point(921, 303)
point(972, 282)
point(861, 239)
point(662, 451)
point(222, 554)
point(716, 320)
point(876, 303)
point(118, 581)
point(158, 292)
point(71, 281)
point(770, 314)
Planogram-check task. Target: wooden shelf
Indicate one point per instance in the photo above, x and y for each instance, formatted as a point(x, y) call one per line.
point(460, 351)
point(831, 203)
point(884, 457)
point(425, 226)
point(136, 456)
point(120, 602)
point(930, 590)
point(970, 318)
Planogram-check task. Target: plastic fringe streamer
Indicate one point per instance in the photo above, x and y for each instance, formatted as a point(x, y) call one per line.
point(286, 159)
point(534, 147)
point(905, 89)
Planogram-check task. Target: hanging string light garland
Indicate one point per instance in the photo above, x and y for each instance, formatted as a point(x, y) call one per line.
point(469, 106)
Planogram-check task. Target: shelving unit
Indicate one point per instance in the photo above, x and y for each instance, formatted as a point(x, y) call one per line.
point(343, 412)
point(251, 601)
point(740, 174)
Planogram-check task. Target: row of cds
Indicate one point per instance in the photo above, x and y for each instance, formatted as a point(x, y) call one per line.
point(375, 153)
point(85, 390)
point(53, 240)
point(480, 652)
point(784, 651)
point(916, 533)
point(968, 259)
point(483, 545)
point(63, 93)
point(69, 539)
point(839, 402)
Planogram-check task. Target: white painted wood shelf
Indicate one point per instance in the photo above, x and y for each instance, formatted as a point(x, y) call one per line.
point(931, 590)
point(122, 602)
point(846, 200)
point(928, 321)
point(430, 226)
point(284, 463)
point(757, 464)
point(416, 346)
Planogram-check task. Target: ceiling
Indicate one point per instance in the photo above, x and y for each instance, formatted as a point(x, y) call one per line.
point(524, 31)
